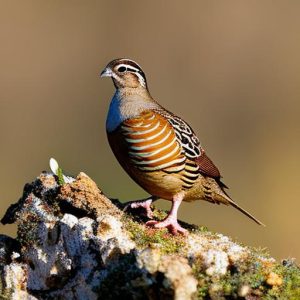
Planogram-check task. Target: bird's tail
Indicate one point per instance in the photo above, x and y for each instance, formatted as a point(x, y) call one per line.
point(223, 197)
point(232, 203)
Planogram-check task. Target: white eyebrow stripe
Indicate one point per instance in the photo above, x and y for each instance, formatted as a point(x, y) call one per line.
point(128, 66)
point(127, 59)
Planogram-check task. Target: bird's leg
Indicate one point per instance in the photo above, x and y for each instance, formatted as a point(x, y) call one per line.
point(170, 221)
point(143, 203)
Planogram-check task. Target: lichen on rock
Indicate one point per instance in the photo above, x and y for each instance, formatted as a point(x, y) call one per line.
point(73, 242)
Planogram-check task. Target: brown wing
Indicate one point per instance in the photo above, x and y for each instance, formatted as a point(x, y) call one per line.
point(191, 147)
point(207, 167)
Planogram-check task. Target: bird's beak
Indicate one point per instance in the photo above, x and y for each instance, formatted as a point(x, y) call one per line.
point(106, 73)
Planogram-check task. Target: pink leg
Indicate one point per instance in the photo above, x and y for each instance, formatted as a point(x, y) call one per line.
point(144, 203)
point(171, 221)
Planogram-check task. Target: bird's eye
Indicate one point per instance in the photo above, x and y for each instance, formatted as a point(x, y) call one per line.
point(121, 69)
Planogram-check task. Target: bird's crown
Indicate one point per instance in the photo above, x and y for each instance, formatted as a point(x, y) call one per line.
point(125, 73)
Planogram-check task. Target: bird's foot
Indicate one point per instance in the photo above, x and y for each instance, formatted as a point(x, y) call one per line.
point(170, 223)
point(145, 203)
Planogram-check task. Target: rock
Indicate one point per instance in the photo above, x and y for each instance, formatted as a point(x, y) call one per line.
point(75, 243)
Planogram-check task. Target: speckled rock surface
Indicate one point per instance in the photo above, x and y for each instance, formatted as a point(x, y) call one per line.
point(75, 243)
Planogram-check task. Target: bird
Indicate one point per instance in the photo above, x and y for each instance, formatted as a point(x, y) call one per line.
point(158, 149)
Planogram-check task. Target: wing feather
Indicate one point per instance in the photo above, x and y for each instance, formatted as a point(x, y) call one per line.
point(191, 146)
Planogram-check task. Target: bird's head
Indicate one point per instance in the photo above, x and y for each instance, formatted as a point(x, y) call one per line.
point(125, 73)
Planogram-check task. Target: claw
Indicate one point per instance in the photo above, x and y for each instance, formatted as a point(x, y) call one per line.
point(169, 223)
point(146, 204)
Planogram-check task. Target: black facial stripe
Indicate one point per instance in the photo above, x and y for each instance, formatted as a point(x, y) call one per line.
point(131, 70)
point(143, 74)
point(137, 71)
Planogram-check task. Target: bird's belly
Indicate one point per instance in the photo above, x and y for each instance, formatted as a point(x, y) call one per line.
point(158, 183)
point(166, 186)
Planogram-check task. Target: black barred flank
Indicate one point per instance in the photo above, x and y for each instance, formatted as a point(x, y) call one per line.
point(185, 135)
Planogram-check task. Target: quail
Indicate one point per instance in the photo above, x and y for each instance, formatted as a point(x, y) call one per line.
point(158, 149)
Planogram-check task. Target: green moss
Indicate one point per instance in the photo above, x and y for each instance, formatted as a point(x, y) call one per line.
point(60, 176)
point(5, 295)
point(290, 273)
point(159, 214)
point(199, 229)
point(259, 252)
point(203, 283)
point(254, 274)
point(145, 237)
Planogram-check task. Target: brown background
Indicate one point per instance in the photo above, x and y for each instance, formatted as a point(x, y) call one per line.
point(231, 68)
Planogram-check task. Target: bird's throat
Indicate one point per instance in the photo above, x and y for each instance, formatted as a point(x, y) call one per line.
point(126, 105)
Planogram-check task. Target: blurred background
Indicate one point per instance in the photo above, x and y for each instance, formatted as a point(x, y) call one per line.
point(231, 69)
